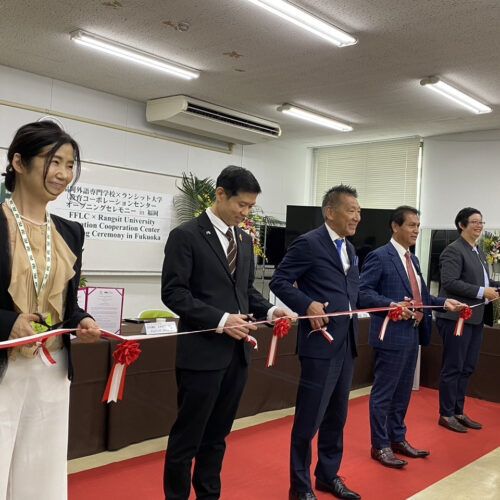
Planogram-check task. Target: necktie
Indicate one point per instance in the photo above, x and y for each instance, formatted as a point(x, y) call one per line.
point(415, 291)
point(339, 242)
point(231, 251)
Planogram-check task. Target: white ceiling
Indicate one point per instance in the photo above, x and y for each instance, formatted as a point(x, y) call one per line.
point(373, 85)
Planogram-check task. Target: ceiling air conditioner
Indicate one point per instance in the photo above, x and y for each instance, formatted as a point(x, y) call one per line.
point(209, 120)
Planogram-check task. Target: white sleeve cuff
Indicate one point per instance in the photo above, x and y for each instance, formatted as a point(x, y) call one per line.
point(222, 323)
point(271, 312)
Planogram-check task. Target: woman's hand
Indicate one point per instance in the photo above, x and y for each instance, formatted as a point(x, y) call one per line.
point(22, 326)
point(88, 331)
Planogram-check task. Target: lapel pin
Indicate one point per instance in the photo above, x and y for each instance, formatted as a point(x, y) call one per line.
point(208, 233)
point(241, 237)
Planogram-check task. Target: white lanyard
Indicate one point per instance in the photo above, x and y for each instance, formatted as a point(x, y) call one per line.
point(27, 246)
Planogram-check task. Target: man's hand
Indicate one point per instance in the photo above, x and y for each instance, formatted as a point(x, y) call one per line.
point(240, 324)
point(22, 326)
point(88, 331)
point(454, 305)
point(317, 309)
point(406, 314)
point(489, 293)
point(280, 313)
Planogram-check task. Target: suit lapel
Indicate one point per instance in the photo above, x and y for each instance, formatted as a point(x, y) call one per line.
point(351, 253)
point(209, 233)
point(475, 262)
point(396, 259)
point(330, 247)
point(240, 250)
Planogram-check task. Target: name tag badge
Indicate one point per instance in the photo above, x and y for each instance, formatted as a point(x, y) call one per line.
point(157, 328)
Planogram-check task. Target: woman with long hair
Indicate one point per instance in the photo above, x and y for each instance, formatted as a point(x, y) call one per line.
point(40, 262)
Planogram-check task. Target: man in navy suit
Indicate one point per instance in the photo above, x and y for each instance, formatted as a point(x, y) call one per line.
point(324, 266)
point(391, 275)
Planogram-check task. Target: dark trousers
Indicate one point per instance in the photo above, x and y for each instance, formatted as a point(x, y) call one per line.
point(322, 400)
point(460, 358)
point(207, 404)
point(391, 392)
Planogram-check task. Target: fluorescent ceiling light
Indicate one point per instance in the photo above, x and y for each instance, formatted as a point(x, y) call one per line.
point(434, 83)
point(314, 117)
point(307, 21)
point(131, 54)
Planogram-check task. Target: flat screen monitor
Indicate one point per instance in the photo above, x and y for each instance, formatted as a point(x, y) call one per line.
point(372, 232)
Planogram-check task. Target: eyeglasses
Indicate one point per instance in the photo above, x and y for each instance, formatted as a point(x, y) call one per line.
point(477, 222)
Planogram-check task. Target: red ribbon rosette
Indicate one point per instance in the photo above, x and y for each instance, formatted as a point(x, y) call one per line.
point(392, 315)
point(280, 330)
point(465, 314)
point(125, 354)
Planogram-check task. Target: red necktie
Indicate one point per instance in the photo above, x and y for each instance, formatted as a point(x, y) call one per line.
point(415, 291)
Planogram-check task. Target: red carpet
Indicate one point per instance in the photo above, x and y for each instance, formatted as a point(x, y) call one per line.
point(256, 463)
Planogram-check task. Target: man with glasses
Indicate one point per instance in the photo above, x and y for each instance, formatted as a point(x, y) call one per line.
point(464, 276)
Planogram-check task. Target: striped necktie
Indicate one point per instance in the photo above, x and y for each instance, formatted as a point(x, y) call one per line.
point(231, 251)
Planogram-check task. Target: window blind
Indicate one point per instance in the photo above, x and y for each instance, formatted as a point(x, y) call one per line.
point(384, 173)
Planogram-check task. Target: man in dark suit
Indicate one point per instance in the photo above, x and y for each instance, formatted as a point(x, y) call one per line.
point(391, 276)
point(324, 266)
point(464, 276)
point(207, 280)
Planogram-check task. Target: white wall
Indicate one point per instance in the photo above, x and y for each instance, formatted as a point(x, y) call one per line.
point(283, 169)
point(461, 170)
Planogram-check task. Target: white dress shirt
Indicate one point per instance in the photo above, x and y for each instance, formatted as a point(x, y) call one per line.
point(346, 264)
point(344, 256)
point(401, 252)
point(221, 229)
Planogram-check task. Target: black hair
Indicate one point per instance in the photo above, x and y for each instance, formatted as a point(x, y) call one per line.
point(235, 179)
point(399, 214)
point(332, 196)
point(463, 217)
point(30, 140)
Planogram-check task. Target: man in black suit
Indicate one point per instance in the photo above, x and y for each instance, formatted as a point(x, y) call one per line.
point(207, 280)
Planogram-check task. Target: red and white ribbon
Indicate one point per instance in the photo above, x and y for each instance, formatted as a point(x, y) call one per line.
point(280, 330)
point(44, 353)
point(392, 315)
point(326, 334)
point(252, 341)
point(125, 354)
point(465, 314)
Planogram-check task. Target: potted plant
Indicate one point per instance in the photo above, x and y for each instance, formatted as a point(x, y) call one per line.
point(196, 195)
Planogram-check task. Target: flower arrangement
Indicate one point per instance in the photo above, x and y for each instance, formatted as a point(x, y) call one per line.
point(250, 226)
point(491, 242)
point(199, 194)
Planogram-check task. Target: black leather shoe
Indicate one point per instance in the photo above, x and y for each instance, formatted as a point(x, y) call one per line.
point(337, 488)
point(452, 423)
point(405, 448)
point(301, 495)
point(467, 422)
point(386, 457)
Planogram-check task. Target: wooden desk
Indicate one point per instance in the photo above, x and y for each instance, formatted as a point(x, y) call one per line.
point(483, 382)
point(149, 406)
